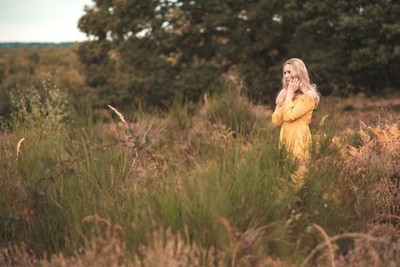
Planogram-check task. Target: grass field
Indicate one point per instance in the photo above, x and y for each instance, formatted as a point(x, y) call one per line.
point(203, 184)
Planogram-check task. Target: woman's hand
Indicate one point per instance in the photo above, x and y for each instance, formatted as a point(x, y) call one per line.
point(294, 85)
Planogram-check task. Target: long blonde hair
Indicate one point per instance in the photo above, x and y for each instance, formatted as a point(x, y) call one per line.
point(306, 87)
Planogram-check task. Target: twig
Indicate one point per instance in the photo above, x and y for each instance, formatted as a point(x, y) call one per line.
point(329, 244)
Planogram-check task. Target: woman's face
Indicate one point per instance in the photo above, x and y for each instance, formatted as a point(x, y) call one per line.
point(288, 73)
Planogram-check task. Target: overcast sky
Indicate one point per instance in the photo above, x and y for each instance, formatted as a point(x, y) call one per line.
point(41, 20)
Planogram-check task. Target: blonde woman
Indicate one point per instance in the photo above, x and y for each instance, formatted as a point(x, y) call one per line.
point(295, 104)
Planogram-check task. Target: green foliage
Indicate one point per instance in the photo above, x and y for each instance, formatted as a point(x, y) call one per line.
point(43, 104)
point(28, 66)
point(232, 110)
point(193, 192)
point(348, 43)
point(165, 49)
point(30, 213)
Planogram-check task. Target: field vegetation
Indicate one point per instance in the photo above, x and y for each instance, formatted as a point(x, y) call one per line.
point(200, 184)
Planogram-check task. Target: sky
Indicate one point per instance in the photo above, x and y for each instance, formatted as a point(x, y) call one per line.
point(41, 20)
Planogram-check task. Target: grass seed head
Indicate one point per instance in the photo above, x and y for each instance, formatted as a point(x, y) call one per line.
point(19, 146)
point(120, 116)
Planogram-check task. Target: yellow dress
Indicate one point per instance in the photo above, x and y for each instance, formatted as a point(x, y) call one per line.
point(294, 117)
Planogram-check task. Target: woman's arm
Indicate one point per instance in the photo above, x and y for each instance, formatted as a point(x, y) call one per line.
point(277, 116)
point(292, 111)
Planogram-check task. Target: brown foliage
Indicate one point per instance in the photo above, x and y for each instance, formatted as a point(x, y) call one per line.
point(372, 170)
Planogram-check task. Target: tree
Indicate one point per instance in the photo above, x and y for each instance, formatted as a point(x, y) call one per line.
point(352, 45)
point(155, 51)
point(159, 50)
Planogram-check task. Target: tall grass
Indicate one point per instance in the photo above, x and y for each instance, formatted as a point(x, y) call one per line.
point(201, 187)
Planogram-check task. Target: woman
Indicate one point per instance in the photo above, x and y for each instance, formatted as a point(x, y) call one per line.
point(295, 104)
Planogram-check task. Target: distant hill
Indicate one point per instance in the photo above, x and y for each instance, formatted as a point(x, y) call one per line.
point(36, 44)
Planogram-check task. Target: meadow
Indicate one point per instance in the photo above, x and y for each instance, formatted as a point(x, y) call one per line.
point(201, 184)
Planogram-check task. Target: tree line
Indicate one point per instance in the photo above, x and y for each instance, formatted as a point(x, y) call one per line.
point(152, 52)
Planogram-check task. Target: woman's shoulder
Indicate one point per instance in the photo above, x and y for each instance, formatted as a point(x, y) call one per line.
point(306, 98)
point(302, 97)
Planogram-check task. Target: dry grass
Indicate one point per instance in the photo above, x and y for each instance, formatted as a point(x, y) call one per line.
point(379, 248)
point(17, 255)
point(164, 156)
point(373, 168)
point(370, 110)
point(171, 249)
point(108, 248)
point(241, 247)
point(371, 174)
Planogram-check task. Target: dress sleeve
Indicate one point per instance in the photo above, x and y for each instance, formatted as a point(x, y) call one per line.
point(292, 111)
point(277, 116)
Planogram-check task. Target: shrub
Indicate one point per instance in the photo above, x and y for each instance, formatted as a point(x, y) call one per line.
point(36, 104)
point(372, 174)
point(232, 109)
